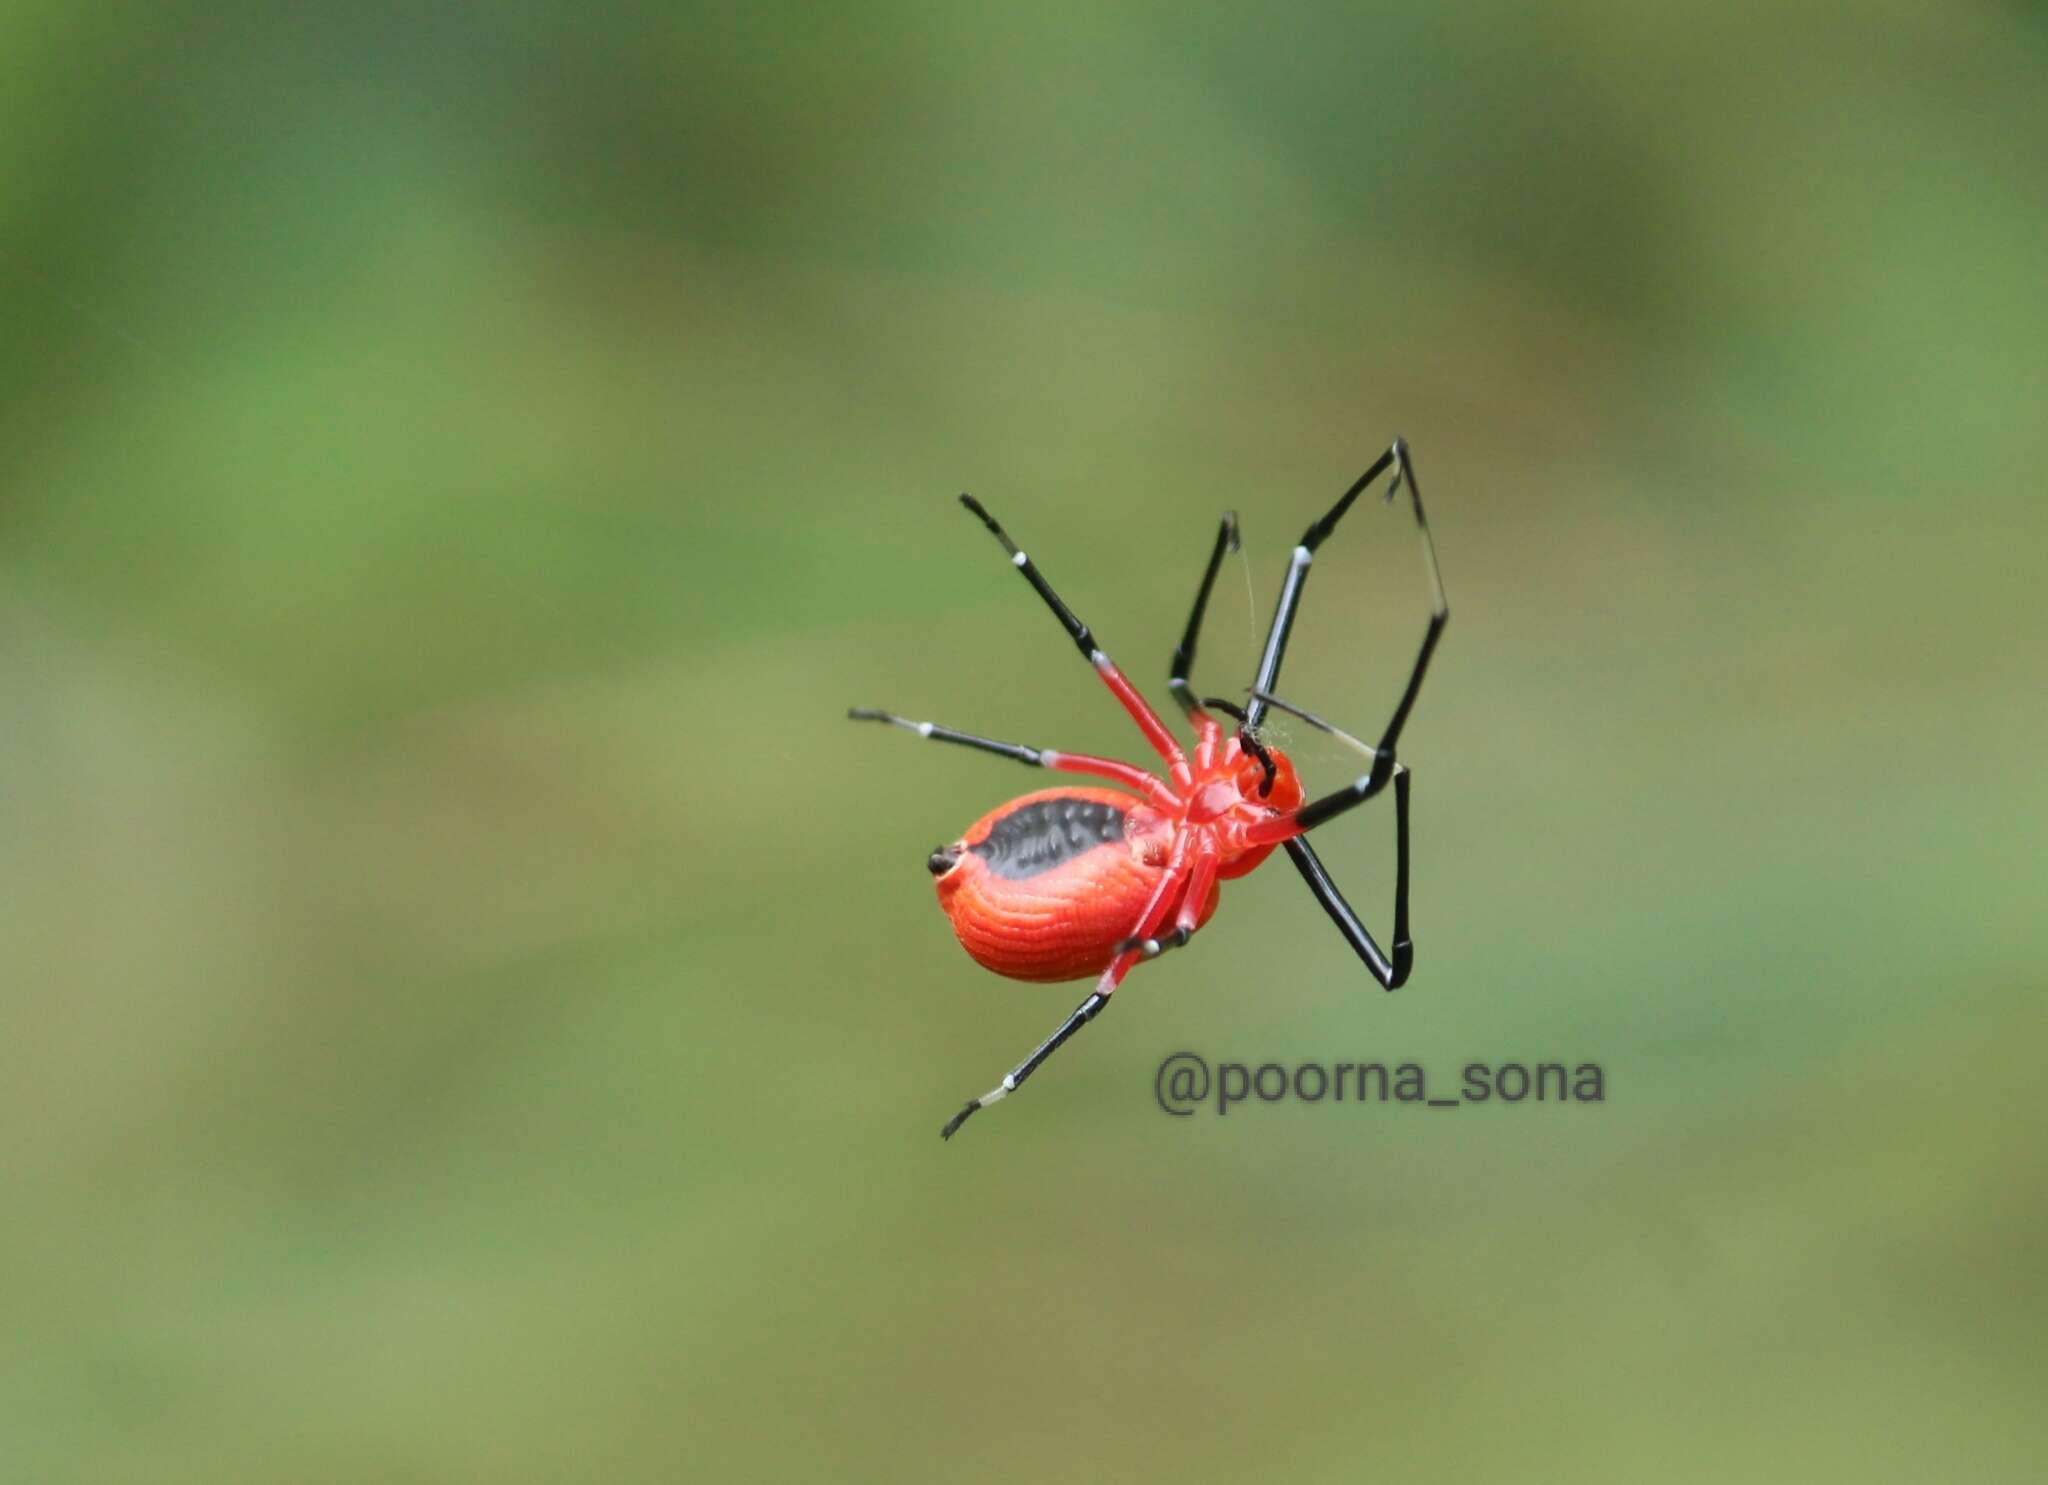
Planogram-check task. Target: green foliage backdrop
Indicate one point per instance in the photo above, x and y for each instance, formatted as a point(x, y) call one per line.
point(470, 1009)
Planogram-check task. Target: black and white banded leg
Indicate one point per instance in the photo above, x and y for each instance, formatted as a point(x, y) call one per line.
point(1396, 458)
point(1085, 1012)
point(1391, 970)
point(932, 731)
point(1389, 973)
point(1171, 883)
point(1128, 774)
point(1140, 710)
point(1152, 948)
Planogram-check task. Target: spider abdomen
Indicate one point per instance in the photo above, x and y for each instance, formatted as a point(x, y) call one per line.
point(1046, 886)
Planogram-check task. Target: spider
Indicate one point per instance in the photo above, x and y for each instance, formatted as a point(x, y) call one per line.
point(1065, 884)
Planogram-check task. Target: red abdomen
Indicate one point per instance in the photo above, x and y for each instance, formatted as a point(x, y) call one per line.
point(1045, 887)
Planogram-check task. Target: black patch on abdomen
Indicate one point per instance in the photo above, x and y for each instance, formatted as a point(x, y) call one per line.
point(1039, 836)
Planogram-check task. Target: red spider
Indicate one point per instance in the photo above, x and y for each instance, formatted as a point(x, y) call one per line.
point(1068, 883)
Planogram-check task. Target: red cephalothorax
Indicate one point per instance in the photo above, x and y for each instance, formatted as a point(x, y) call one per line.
point(1070, 883)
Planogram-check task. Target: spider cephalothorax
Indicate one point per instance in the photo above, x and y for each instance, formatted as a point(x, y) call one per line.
point(1070, 883)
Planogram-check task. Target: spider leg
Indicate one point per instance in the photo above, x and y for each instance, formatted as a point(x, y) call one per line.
point(1201, 882)
point(1148, 721)
point(1128, 774)
point(1177, 870)
point(1391, 973)
point(1289, 828)
point(1205, 726)
point(1396, 457)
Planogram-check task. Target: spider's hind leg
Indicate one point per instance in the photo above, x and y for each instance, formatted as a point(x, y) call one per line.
point(1396, 458)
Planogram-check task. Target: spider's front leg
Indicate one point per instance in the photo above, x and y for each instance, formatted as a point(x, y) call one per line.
point(1390, 972)
point(1396, 458)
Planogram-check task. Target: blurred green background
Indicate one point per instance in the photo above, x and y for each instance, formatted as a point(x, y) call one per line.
point(472, 1008)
